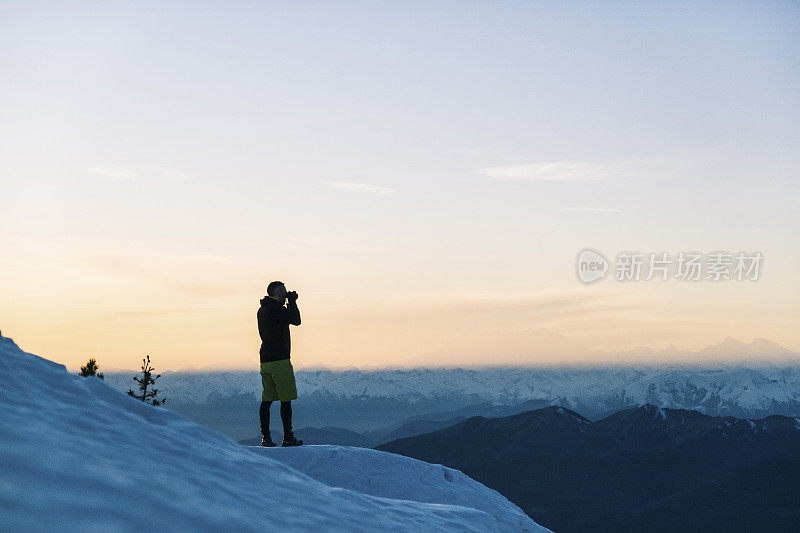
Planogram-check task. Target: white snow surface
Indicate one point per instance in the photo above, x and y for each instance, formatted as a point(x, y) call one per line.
point(77, 455)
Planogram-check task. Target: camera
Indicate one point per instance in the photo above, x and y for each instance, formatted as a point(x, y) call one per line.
point(291, 295)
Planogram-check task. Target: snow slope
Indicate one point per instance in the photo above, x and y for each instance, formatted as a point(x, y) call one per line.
point(77, 455)
point(388, 475)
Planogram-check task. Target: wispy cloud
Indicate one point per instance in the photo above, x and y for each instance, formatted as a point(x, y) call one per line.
point(171, 174)
point(359, 187)
point(116, 173)
point(590, 209)
point(554, 171)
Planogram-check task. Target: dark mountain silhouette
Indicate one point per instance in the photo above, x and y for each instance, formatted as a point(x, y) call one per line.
point(622, 473)
point(485, 409)
point(419, 424)
point(409, 429)
point(771, 487)
point(413, 425)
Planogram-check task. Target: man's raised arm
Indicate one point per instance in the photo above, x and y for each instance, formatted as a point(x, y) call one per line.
point(293, 312)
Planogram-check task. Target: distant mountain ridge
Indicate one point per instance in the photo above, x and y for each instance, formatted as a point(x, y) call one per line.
point(413, 425)
point(622, 473)
point(758, 347)
point(734, 390)
point(369, 401)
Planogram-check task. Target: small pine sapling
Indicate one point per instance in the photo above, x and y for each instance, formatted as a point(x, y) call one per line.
point(147, 379)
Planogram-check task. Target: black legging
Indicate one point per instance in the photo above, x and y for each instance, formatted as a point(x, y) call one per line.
point(286, 417)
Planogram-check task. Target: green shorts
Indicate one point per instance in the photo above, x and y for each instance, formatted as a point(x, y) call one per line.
point(277, 380)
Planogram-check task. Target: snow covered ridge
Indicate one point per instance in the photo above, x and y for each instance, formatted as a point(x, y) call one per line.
point(77, 455)
point(735, 390)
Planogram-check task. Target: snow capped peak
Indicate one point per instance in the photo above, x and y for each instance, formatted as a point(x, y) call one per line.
point(76, 454)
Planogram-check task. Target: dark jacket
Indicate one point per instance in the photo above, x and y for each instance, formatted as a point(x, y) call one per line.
point(273, 327)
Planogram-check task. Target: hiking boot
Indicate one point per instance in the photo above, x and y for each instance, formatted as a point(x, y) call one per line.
point(290, 440)
point(267, 441)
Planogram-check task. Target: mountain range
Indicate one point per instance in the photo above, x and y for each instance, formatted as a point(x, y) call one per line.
point(365, 401)
point(640, 469)
point(369, 407)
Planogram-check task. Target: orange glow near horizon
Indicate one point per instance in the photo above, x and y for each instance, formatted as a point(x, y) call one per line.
point(424, 178)
point(121, 313)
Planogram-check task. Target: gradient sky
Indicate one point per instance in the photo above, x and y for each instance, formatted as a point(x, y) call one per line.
point(423, 173)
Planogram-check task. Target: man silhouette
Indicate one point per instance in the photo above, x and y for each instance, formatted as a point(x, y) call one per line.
point(277, 374)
